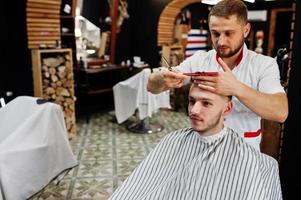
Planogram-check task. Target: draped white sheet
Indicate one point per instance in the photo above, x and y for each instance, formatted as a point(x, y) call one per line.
point(34, 147)
point(132, 94)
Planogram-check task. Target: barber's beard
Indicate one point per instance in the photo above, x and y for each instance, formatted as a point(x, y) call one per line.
point(231, 52)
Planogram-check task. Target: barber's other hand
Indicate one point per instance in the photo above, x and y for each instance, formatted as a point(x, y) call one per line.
point(173, 79)
point(225, 83)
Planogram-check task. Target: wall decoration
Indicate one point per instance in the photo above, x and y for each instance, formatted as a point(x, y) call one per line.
point(259, 41)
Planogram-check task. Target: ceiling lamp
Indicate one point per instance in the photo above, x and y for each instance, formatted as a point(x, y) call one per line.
point(210, 2)
point(213, 2)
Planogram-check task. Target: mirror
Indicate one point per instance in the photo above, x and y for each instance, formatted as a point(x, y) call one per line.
point(96, 26)
point(88, 29)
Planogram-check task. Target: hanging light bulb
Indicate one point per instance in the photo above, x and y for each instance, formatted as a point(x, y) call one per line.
point(210, 2)
point(213, 2)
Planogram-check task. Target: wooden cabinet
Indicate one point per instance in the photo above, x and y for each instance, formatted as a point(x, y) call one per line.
point(93, 81)
point(53, 80)
point(67, 23)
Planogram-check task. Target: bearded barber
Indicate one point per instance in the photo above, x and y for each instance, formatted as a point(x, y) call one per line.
point(252, 79)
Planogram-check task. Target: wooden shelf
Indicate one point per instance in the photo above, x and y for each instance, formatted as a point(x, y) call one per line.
point(99, 91)
point(67, 34)
point(105, 69)
point(67, 17)
point(67, 21)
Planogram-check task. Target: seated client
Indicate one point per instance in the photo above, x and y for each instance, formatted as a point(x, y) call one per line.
point(206, 161)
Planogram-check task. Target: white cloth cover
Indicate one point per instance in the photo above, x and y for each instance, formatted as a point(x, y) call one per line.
point(132, 94)
point(34, 147)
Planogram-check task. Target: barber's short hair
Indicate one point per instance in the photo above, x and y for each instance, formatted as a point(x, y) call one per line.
point(226, 8)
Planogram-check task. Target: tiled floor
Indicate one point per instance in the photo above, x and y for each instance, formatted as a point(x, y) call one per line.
point(107, 153)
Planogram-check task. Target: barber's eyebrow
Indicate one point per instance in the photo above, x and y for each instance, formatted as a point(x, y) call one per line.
point(218, 31)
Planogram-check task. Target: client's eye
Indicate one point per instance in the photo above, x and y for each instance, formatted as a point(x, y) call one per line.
point(206, 103)
point(191, 101)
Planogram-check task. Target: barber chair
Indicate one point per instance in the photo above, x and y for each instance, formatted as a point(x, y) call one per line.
point(131, 96)
point(34, 147)
point(3, 96)
point(282, 59)
point(271, 130)
point(144, 126)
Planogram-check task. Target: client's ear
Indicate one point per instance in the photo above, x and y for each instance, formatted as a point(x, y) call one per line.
point(228, 108)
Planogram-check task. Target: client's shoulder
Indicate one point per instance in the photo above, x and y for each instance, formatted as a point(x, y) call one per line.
point(247, 149)
point(180, 134)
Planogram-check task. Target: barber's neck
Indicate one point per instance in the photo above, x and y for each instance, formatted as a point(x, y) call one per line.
point(233, 60)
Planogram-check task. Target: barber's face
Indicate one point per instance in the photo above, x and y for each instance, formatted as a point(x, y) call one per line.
point(207, 110)
point(227, 35)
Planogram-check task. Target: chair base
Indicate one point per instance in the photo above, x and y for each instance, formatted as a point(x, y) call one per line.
point(145, 127)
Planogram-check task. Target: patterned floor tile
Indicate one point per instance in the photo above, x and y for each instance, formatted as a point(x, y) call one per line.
point(95, 168)
point(92, 188)
point(100, 140)
point(120, 180)
point(129, 140)
point(131, 152)
point(94, 152)
point(71, 173)
point(54, 191)
point(126, 167)
point(107, 153)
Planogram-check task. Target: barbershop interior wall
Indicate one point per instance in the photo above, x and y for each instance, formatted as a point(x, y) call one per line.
point(138, 34)
point(15, 61)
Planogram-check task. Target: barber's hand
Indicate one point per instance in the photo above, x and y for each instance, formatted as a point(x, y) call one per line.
point(225, 83)
point(173, 79)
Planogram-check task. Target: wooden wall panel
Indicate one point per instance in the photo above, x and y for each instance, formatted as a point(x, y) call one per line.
point(43, 23)
point(167, 20)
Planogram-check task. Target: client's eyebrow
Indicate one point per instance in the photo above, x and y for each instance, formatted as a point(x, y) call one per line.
point(200, 98)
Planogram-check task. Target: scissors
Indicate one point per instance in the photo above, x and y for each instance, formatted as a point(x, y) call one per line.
point(169, 67)
point(192, 74)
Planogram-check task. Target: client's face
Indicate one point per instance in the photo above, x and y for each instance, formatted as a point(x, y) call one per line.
point(207, 110)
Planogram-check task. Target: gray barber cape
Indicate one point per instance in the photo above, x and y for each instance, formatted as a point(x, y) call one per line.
point(187, 166)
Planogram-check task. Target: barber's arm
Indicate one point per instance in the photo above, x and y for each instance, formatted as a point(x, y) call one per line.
point(163, 80)
point(268, 106)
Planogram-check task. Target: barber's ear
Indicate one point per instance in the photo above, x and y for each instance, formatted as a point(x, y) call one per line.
point(228, 108)
point(247, 29)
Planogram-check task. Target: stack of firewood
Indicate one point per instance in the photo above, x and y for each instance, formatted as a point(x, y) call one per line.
point(43, 23)
point(54, 81)
point(57, 86)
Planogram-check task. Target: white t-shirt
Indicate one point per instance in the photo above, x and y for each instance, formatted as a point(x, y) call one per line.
point(255, 70)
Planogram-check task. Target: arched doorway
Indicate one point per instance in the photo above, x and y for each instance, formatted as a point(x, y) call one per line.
point(167, 19)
